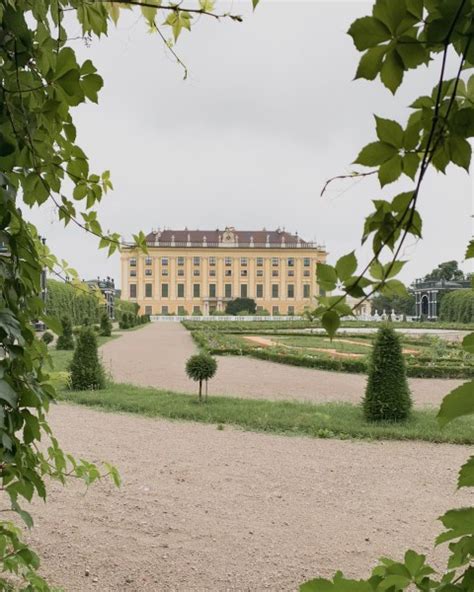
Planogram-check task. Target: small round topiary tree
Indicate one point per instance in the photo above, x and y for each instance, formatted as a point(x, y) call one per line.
point(201, 367)
point(47, 337)
point(66, 340)
point(387, 396)
point(86, 370)
point(105, 325)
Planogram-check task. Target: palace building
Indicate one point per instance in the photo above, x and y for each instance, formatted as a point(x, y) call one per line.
point(199, 271)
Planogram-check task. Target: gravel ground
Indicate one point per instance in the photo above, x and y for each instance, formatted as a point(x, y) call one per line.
point(208, 510)
point(156, 355)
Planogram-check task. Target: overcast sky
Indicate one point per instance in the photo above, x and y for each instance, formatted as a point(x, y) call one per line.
point(268, 113)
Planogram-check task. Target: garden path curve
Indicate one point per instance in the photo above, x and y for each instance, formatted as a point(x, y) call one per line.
point(156, 355)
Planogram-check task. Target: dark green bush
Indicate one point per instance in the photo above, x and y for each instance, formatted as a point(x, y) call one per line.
point(86, 370)
point(239, 305)
point(387, 396)
point(47, 337)
point(201, 367)
point(457, 307)
point(105, 325)
point(78, 303)
point(66, 340)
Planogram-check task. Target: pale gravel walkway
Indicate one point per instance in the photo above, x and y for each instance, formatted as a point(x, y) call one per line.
point(207, 510)
point(156, 356)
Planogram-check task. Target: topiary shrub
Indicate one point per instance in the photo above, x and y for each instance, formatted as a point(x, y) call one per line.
point(387, 396)
point(105, 325)
point(201, 367)
point(86, 370)
point(47, 337)
point(66, 340)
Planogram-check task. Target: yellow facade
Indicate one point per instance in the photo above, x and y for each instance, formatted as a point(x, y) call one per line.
point(197, 275)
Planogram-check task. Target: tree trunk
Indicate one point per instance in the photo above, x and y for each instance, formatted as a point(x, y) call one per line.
point(206, 390)
point(200, 391)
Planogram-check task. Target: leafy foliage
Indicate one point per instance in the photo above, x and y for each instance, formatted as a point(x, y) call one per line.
point(86, 370)
point(66, 339)
point(105, 325)
point(387, 396)
point(78, 301)
point(404, 305)
point(201, 367)
point(239, 305)
point(448, 271)
point(47, 337)
point(458, 306)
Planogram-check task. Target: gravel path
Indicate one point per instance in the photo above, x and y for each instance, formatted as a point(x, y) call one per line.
point(156, 355)
point(208, 510)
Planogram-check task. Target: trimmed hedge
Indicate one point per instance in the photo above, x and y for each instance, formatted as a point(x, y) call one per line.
point(124, 307)
point(458, 307)
point(349, 365)
point(81, 305)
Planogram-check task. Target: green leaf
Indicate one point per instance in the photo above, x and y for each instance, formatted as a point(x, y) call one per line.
point(423, 102)
point(458, 522)
point(457, 403)
point(7, 146)
point(368, 32)
point(375, 154)
point(53, 324)
point(7, 393)
point(393, 268)
point(331, 321)
point(402, 201)
point(390, 132)
point(91, 84)
point(470, 250)
point(377, 271)
point(346, 266)
point(326, 276)
point(462, 123)
point(390, 171)
point(391, 73)
point(149, 13)
point(412, 54)
point(410, 164)
point(390, 12)
point(254, 3)
point(466, 474)
point(371, 62)
point(461, 151)
point(394, 288)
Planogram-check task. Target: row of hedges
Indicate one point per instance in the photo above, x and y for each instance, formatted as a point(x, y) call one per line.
point(80, 304)
point(219, 344)
point(124, 307)
point(458, 307)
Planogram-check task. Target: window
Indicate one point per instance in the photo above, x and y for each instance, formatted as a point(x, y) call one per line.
point(196, 272)
point(243, 291)
point(259, 261)
point(148, 310)
point(148, 261)
point(164, 290)
point(164, 261)
point(306, 262)
point(196, 290)
point(306, 273)
point(243, 261)
point(228, 272)
point(133, 290)
point(306, 288)
point(197, 310)
point(274, 272)
point(181, 261)
point(212, 261)
point(291, 290)
point(274, 290)
point(212, 272)
point(212, 290)
point(181, 310)
point(291, 262)
point(275, 262)
point(164, 272)
point(148, 290)
point(164, 310)
point(148, 272)
point(180, 272)
point(228, 261)
point(291, 273)
point(259, 272)
point(228, 290)
point(259, 290)
point(196, 260)
point(243, 272)
point(275, 311)
point(133, 273)
point(180, 290)
point(133, 262)
point(291, 311)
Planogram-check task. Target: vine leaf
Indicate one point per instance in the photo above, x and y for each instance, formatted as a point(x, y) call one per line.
point(457, 403)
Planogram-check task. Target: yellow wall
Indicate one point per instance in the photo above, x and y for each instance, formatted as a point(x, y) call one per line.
point(150, 269)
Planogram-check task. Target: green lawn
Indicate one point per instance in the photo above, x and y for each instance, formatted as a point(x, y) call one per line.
point(326, 420)
point(321, 342)
point(62, 358)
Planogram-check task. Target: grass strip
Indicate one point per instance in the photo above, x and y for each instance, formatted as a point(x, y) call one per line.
point(325, 420)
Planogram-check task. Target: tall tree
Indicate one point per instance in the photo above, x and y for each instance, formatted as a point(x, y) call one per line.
point(448, 271)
